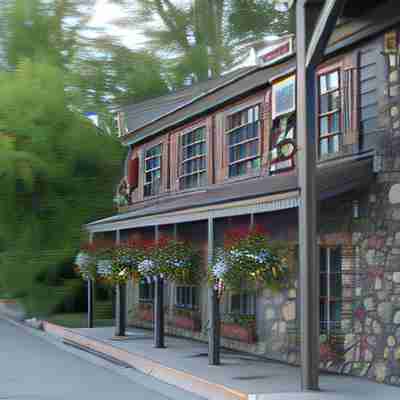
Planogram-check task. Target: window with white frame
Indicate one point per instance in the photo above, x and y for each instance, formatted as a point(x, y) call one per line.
point(193, 159)
point(187, 297)
point(330, 289)
point(152, 170)
point(243, 138)
point(329, 113)
point(243, 303)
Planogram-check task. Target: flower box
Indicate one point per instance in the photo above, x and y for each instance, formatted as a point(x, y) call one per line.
point(246, 334)
point(191, 323)
point(145, 312)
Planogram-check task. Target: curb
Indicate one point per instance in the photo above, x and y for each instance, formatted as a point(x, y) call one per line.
point(180, 379)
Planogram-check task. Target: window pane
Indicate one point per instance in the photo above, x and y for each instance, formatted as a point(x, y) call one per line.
point(323, 147)
point(330, 102)
point(334, 123)
point(333, 80)
point(323, 84)
point(323, 127)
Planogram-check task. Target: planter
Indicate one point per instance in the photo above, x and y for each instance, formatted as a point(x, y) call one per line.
point(186, 322)
point(246, 334)
point(145, 313)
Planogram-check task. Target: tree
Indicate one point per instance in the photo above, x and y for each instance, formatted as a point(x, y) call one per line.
point(197, 38)
point(51, 187)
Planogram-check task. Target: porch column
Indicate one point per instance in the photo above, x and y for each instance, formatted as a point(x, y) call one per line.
point(214, 336)
point(158, 305)
point(315, 22)
point(90, 294)
point(120, 303)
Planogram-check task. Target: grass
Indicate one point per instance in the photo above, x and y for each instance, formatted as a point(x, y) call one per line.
point(77, 320)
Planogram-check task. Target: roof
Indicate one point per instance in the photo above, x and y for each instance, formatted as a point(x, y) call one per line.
point(140, 114)
point(153, 116)
point(333, 179)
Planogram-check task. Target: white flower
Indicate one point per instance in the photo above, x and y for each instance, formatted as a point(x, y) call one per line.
point(82, 260)
point(219, 269)
point(104, 268)
point(145, 267)
point(123, 273)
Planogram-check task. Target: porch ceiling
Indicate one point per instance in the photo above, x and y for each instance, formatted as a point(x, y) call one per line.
point(257, 195)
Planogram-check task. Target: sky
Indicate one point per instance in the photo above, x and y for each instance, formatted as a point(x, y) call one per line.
point(105, 14)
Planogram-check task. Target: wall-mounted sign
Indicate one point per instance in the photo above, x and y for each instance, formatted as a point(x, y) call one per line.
point(284, 97)
point(276, 53)
point(283, 144)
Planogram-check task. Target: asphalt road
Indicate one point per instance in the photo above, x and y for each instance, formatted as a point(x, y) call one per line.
point(35, 367)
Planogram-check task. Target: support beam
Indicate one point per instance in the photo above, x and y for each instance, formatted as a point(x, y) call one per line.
point(214, 334)
point(120, 329)
point(120, 303)
point(158, 305)
point(311, 44)
point(90, 294)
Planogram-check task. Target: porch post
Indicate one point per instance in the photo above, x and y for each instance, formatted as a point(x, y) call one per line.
point(315, 22)
point(158, 305)
point(120, 304)
point(90, 294)
point(214, 337)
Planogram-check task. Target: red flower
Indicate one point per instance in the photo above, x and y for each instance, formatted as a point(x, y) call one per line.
point(234, 235)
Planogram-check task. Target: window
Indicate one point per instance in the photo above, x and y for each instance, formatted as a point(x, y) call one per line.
point(243, 303)
point(186, 297)
point(244, 141)
point(283, 97)
point(329, 113)
point(193, 166)
point(152, 171)
point(330, 289)
point(146, 292)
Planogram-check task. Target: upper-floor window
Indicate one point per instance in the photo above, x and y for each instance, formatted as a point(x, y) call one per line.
point(193, 159)
point(243, 131)
point(329, 114)
point(152, 170)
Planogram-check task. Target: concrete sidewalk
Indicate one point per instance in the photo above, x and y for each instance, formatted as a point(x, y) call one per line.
point(184, 364)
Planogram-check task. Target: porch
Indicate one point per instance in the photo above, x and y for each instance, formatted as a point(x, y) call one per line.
point(184, 364)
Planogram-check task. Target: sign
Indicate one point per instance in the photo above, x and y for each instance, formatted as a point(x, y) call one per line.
point(277, 53)
point(283, 97)
point(283, 144)
point(391, 42)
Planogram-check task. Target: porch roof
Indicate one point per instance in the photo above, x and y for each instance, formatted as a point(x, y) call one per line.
point(256, 195)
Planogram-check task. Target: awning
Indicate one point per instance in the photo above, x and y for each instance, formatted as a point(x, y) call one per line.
point(257, 195)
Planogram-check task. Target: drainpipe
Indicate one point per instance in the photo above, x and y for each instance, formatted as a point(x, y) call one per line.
point(120, 328)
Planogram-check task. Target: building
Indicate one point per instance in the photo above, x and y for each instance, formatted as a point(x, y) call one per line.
point(224, 153)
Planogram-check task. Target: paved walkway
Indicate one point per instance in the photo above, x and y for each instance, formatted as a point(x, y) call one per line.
point(247, 376)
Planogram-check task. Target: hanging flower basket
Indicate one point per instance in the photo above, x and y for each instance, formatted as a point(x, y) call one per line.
point(249, 256)
point(172, 259)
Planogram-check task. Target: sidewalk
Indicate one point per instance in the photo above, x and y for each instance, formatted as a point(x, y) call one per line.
point(184, 363)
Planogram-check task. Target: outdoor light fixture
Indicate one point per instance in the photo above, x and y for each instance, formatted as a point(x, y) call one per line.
point(283, 5)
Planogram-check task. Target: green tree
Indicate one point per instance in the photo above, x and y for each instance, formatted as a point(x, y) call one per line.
point(55, 162)
point(197, 38)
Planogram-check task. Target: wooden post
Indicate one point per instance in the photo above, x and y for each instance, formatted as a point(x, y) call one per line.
point(214, 336)
point(90, 294)
point(158, 304)
point(120, 328)
point(120, 303)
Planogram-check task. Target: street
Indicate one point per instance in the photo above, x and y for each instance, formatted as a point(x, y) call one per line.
point(34, 367)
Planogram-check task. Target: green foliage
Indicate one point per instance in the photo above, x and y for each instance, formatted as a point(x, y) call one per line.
point(51, 187)
point(199, 36)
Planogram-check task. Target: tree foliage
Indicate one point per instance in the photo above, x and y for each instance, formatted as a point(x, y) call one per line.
point(60, 174)
point(197, 38)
